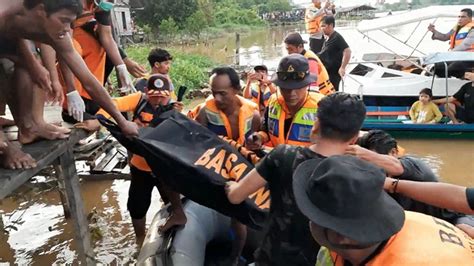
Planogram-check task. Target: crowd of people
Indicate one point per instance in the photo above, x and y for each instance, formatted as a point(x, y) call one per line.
point(338, 197)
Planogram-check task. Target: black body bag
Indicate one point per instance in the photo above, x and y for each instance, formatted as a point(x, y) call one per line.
point(196, 163)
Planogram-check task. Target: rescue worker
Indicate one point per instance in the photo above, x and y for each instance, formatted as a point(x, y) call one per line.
point(226, 114)
point(92, 33)
point(313, 15)
point(259, 88)
point(291, 111)
point(287, 240)
point(362, 225)
point(144, 105)
point(295, 45)
point(461, 38)
point(46, 22)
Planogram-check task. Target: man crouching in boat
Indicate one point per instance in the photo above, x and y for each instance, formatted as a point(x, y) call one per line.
point(460, 106)
point(143, 181)
point(230, 115)
point(362, 225)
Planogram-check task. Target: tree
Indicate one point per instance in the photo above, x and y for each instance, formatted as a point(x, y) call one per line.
point(155, 12)
point(168, 28)
point(196, 23)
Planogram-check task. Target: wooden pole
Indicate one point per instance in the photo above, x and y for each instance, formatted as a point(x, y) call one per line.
point(237, 49)
point(68, 173)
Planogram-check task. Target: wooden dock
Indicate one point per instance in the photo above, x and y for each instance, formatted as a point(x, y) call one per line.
point(58, 153)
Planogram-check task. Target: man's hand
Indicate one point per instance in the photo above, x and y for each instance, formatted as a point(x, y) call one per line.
point(254, 142)
point(75, 105)
point(89, 125)
point(129, 129)
point(40, 76)
point(125, 80)
point(178, 106)
point(230, 188)
point(342, 72)
point(57, 95)
point(254, 76)
point(356, 150)
point(135, 69)
point(431, 27)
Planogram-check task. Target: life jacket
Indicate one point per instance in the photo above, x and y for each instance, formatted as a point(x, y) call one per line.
point(458, 37)
point(192, 114)
point(86, 17)
point(218, 122)
point(143, 115)
point(423, 240)
point(312, 25)
point(93, 53)
point(256, 93)
point(302, 122)
point(324, 84)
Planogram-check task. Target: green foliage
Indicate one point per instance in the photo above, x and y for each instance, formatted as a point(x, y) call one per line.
point(196, 23)
point(156, 11)
point(168, 28)
point(196, 16)
point(187, 69)
point(229, 12)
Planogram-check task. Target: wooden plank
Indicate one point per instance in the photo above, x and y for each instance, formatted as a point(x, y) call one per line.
point(62, 190)
point(71, 181)
point(45, 152)
point(106, 176)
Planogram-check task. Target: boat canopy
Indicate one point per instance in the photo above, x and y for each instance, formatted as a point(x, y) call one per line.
point(447, 57)
point(427, 13)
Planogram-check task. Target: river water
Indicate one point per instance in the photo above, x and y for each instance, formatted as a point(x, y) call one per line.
point(37, 233)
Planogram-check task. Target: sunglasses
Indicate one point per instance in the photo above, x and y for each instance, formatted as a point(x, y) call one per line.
point(292, 75)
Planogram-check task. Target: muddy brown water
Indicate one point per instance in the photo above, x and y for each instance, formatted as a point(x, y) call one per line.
point(37, 233)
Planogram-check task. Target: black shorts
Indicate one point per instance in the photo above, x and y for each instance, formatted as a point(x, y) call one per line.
point(139, 194)
point(461, 115)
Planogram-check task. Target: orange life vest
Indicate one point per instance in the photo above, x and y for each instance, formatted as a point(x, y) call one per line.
point(313, 25)
point(324, 84)
point(302, 122)
point(218, 122)
point(92, 51)
point(257, 93)
point(457, 38)
point(86, 16)
point(423, 240)
point(143, 115)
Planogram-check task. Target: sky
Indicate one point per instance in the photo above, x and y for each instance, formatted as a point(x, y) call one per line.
point(347, 2)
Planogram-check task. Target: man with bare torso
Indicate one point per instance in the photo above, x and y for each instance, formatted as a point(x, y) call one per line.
point(48, 22)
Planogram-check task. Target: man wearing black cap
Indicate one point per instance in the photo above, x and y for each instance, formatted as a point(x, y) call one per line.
point(291, 111)
point(360, 224)
point(287, 240)
point(259, 88)
point(294, 44)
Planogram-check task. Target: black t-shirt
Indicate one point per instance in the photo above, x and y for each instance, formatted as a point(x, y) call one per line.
point(416, 170)
point(465, 96)
point(287, 239)
point(332, 52)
